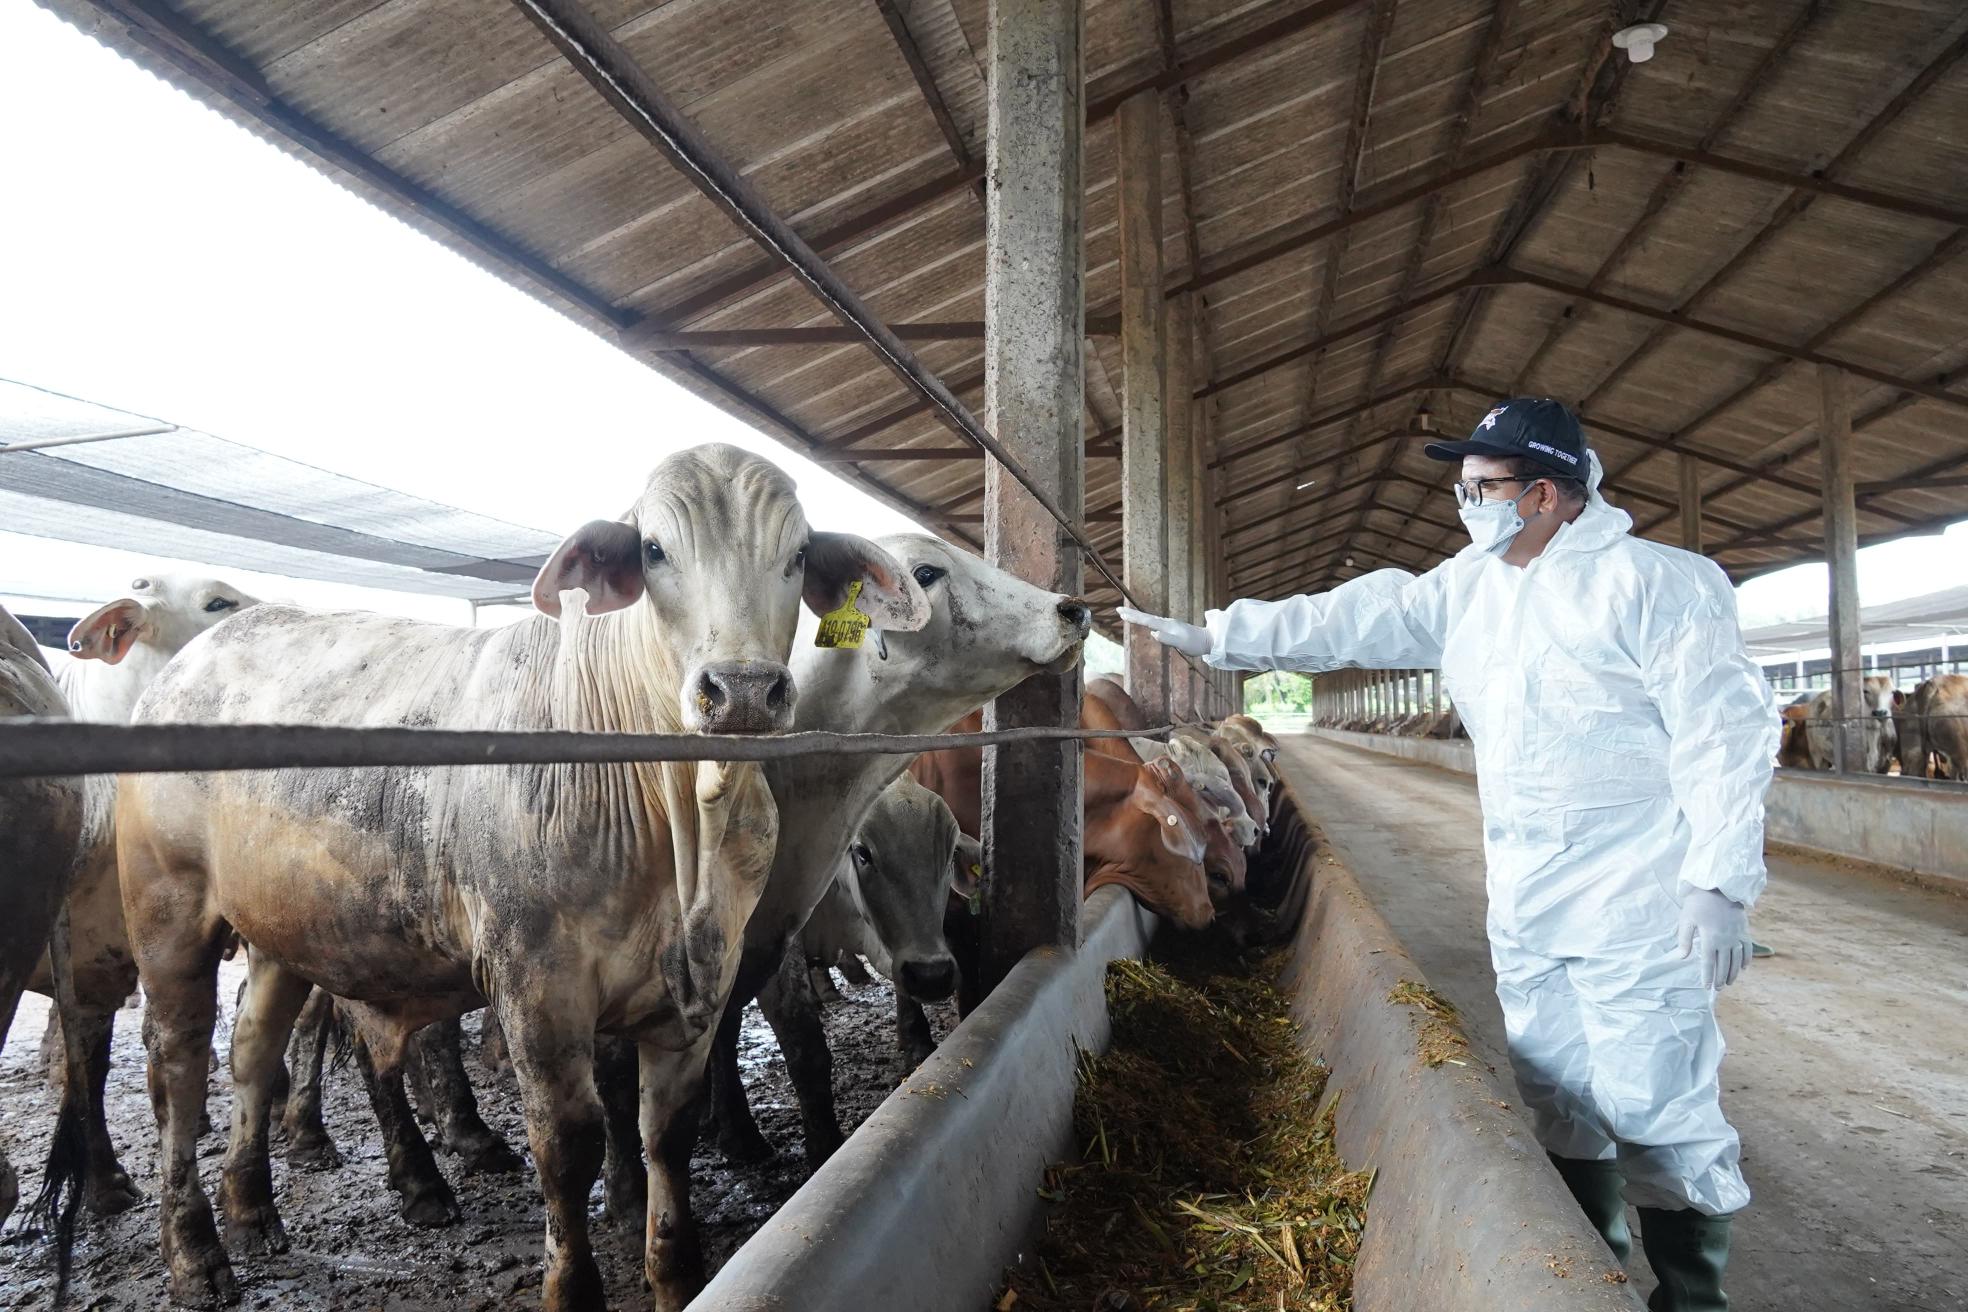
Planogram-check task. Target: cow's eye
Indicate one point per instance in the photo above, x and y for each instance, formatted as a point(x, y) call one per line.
point(928, 574)
point(217, 604)
point(652, 551)
point(862, 856)
point(799, 558)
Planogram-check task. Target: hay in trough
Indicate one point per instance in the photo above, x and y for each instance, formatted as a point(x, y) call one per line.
point(1438, 1030)
point(1208, 1178)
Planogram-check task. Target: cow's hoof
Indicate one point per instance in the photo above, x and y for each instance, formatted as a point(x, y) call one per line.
point(204, 1124)
point(488, 1154)
point(429, 1205)
point(820, 1146)
point(111, 1191)
point(203, 1280)
point(257, 1230)
point(747, 1147)
point(914, 1057)
point(573, 1287)
point(313, 1152)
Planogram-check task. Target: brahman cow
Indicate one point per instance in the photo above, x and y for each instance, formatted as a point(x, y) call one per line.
point(887, 903)
point(1107, 705)
point(1879, 741)
point(114, 653)
point(571, 898)
point(40, 835)
point(988, 631)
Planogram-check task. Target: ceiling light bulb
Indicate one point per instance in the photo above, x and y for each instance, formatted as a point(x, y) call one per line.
point(1307, 483)
point(1349, 562)
point(1639, 40)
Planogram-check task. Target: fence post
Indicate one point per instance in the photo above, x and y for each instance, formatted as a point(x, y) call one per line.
point(1841, 554)
point(1034, 324)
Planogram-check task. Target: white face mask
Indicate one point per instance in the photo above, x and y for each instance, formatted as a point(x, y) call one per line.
point(1493, 524)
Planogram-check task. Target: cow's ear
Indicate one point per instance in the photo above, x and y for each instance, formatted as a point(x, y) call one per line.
point(1899, 698)
point(109, 633)
point(603, 558)
point(967, 867)
point(889, 597)
point(1151, 795)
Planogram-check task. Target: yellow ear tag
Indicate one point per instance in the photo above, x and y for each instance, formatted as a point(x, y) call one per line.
point(846, 627)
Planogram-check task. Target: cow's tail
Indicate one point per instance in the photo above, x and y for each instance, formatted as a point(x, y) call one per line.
point(60, 1198)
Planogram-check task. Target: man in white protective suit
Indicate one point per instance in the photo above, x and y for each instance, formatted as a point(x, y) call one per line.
point(1624, 742)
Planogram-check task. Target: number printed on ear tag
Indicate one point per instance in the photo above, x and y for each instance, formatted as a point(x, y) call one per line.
point(846, 627)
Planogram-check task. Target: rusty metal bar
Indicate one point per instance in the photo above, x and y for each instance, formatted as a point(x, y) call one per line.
point(63, 747)
point(598, 57)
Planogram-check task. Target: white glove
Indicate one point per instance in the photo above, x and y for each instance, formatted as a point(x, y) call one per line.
point(1187, 638)
point(1722, 925)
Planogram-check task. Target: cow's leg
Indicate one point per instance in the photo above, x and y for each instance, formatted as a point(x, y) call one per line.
point(274, 996)
point(439, 1057)
point(492, 1054)
point(853, 971)
point(822, 978)
point(912, 1033)
point(672, 1082)
point(625, 1180)
point(107, 1187)
point(179, 963)
point(424, 1197)
point(794, 1014)
point(308, 1146)
point(739, 1138)
point(553, 1056)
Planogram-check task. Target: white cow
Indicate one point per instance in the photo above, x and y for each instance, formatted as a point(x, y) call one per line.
point(571, 898)
point(113, 654)
point(886, 904)
point(1878, 738)
point(40, 832)
point(987, 632)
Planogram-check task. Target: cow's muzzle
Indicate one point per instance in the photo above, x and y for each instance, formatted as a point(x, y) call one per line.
point(740, 697)
point(929, 980)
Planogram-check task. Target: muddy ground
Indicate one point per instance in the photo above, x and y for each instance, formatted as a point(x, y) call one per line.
point(349, 1249)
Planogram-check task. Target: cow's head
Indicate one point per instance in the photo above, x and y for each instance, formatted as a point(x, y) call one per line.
point(1211, 779)
point(1153, 845)
point(1880, 696)
point(718, 551)
point(163, 612)
point(1238, 769)
point(905, 857)
point(987, 631)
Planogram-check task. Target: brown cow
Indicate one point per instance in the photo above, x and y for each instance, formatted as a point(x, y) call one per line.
point(1144, 826)
point(1933, 727)
point(1878, 739)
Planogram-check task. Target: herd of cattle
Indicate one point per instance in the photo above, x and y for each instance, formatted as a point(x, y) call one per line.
point(614, 918)
point(1922, 733)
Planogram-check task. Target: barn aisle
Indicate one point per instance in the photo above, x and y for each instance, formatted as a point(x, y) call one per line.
point(1846, 1051)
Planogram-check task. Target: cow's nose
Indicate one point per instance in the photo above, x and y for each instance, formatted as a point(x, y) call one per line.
point(929, 981)
point(1078, 614)
point(742, 697)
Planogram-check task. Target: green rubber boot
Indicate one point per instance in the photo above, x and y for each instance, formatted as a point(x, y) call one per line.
point(1688, 1251)
point(1597, 1186)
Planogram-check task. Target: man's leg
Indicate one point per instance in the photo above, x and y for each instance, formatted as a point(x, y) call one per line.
point(1656, 1083)
point(1550, 1058)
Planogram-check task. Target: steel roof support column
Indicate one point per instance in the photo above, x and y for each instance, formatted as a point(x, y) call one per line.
point(1144, 357)
point(1841, 527)
point(1691, 504)
point(1179, 515)
point(1034, 307)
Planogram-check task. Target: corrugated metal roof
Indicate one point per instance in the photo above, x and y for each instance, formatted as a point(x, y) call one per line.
point(1701, 216)
point(173, 491)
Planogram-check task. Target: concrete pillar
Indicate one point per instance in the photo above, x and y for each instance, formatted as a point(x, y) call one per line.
point(1034, 321)
point(1144, 375)
point(1691, 504)
point(1434, 692)
point(1178, 519)
point(1841, 526)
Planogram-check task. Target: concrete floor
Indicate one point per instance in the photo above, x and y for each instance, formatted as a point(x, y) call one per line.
point(1847, 1073)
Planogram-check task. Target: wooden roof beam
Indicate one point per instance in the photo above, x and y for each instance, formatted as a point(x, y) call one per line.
point(1670, 185)
point(950, 330)
point(905, 44)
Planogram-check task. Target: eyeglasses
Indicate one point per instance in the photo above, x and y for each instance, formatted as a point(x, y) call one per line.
point(1470, 492)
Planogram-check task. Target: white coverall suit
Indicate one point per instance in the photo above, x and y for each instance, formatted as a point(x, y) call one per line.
point(1623, 743)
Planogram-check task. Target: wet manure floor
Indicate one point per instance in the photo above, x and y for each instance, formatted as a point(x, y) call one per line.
point(348, 1247)
point(1208, 1178)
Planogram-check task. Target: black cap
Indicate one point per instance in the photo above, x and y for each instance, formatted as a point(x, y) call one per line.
point(1534, 427)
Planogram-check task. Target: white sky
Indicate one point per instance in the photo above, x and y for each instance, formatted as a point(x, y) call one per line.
point(160, 259)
